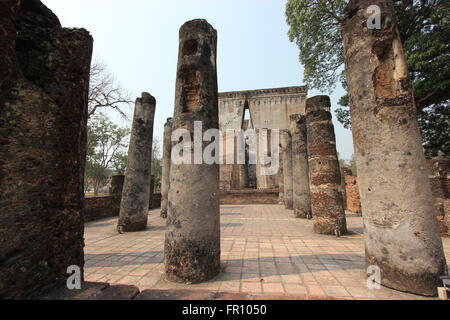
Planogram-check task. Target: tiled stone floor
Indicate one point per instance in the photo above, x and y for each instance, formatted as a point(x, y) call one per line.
point(264, 250)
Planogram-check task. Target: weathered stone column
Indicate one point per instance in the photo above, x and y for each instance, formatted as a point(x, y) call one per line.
point(324, 171)
point(192, 245)
point(152, 189)
point(243, 176)
point(300, 168)
point(165, 179)
point(281, 177)
point(116, 184)
point(44, 81)
point(401, 230)
point(286, 153)
point(136, 189)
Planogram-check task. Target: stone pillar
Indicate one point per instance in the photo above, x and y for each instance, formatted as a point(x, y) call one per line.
point(344, 174)
point(116, 184)
point(243, 177)
point(44, 81)
point(136, 189)
point(192, 245)
point(165, 179)
point(152, 191)
point(300, 169)
point(324, 171)
point(286, 153)
point(281, 177)
point(401, 230)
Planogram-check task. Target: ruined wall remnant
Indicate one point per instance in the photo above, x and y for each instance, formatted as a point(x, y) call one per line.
point(96, 208)
point(268, 109)
point(300, 169)
point(401, 231)
point(286, 154)
point(440, 188)
point(324, 171)
point(248, 197)
point(136, 189)
point(165, 180)
point(44, 80)
point(192, 245)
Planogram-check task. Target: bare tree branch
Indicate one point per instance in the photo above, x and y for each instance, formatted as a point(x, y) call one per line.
point(106, 92)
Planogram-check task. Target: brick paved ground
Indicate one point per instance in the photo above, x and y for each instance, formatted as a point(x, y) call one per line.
point(264, 250)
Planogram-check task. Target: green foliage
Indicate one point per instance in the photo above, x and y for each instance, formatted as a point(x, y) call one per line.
point(105, 150)
point(119, 163)
point(435, 124)
point(351, 165)
point(315, 28)
point(425, 32)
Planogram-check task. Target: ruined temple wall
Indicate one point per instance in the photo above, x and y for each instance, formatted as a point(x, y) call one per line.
point(269, 109)
point(439, 170)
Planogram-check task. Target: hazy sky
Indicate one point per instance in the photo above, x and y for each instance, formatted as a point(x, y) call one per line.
point(138, 40)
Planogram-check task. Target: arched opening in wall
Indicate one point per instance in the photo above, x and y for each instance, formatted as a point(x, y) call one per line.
point(248, 170)
point(246, 117)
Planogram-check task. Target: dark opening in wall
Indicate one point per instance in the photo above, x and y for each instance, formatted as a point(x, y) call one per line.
point(190, 48)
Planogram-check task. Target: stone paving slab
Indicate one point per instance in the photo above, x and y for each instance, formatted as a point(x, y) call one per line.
point(117, 292)
point(88, 290)
point(265, 250)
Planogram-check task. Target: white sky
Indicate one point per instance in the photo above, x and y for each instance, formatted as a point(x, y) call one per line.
point(138, 40)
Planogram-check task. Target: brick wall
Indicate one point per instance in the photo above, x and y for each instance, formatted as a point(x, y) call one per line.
point(249, 196)
point(109, 206)
point(440, 187)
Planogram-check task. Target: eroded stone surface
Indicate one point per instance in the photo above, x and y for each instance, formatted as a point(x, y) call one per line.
point(286, 154)
point(401, 230)
point(300, 169)
point(324, 171)
point(192, 244)
point(44, 79)
point(165, 180)
point(136, 190)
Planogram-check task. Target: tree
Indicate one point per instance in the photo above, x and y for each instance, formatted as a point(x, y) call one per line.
point(156, 166)
point(105, 92)
point(119, 163)
point(105, 148)
point(435, 122)
point(425, 32)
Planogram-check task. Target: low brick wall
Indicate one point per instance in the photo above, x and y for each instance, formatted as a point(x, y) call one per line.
point(101, 207)
point(250, 196)
point(156, 201)
point(109, 206)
